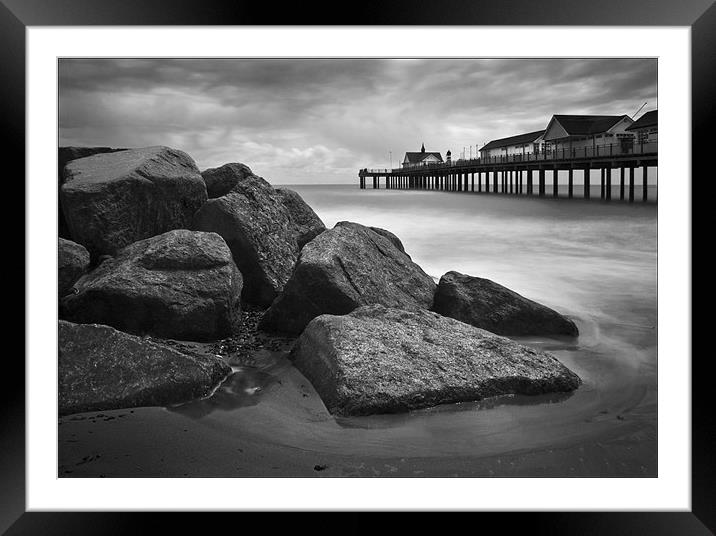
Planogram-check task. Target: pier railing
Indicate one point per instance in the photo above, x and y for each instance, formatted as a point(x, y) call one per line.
point(561, 154)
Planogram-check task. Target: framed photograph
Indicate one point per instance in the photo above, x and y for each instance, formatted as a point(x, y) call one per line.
point(390, 263)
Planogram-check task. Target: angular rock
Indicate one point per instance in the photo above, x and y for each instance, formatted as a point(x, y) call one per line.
point(390, 236)
point(342, 269)
point(72, 262)
point(384, 360)
point(306, 223)
point(180, 285)
point(220, 180)
point(64, 155)
point(101, 368)
point(485, 304)
point(256, 226)
point(67, 154)
point(111, 200)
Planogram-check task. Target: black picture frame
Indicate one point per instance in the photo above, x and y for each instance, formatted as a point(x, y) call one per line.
point(17, 15)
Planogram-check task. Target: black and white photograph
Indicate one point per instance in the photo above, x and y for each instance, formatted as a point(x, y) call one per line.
point(357, 267)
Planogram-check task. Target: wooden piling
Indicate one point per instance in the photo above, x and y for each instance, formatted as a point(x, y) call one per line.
point(587, 183)
point(570, 184)
point(602, 177)
point(631, 184)
point(530, 182)
point(609, 183)
point(621, 183)
point(555, 189)
point(644, 184)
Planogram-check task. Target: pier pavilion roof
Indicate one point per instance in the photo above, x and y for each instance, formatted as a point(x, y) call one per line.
point(582, 125)
point(419, 156)
point(649, 119)
point(520, 139)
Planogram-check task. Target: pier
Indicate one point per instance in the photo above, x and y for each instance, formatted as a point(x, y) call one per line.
point(528, 174)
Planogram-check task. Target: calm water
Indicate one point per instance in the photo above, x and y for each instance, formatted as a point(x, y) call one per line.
point(593, 261)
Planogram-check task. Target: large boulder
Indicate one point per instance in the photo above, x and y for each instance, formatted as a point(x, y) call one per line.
point(305, 222)
point(101, 368)
point(384, 360)
point(64, 155)
point(72, 262)
point(485, 304)
point(256, 226)
point(342, 269)
point(111, 200)
point(180, 285)
point(220, 180)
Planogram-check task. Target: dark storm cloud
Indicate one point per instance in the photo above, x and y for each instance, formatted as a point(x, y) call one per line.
point(320, 120)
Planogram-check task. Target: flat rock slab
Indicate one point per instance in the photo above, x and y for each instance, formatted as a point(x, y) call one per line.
point(72, 262)
point(488, 305)
point(385, 360)
point(64, 155)
point(305, 222)
point(101, 368)
point(69, 153)
point(111, 200)
point(256, 226)
point(221, 180)
point(343, 268)
point(179, 285)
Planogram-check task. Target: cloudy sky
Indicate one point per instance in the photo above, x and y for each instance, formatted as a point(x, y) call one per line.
point(319, 121)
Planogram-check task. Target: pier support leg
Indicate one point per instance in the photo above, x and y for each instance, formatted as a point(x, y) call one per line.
point(644, 185)
point(631, 184)
point(519, 181)
point(541, 183)
point(609, 183)
point(602, 175)
point(587, 183)
point(529, 182)
point(479, 181)
point(494, 182)
point(621, 183)
point(555, 190)
point(570, 184)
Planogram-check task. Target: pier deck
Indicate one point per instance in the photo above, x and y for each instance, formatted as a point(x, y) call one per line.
point(515, 174)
